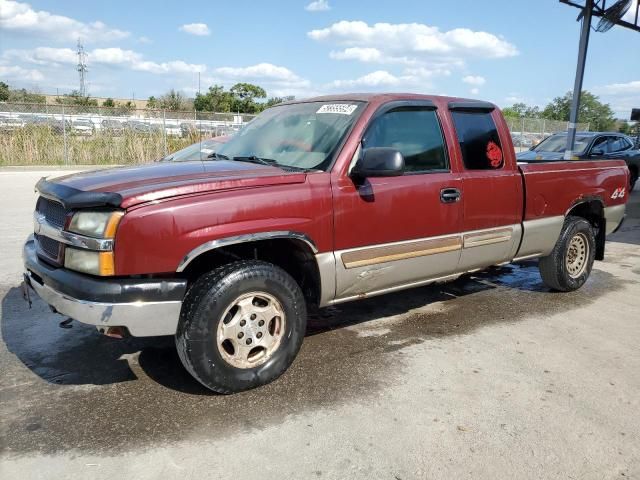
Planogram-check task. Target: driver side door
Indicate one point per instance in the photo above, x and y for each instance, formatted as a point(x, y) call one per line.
point(398, 231)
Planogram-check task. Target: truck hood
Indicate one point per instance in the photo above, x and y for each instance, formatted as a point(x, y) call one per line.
point(129, 186)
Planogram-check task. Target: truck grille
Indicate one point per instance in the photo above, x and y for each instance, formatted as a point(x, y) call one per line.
point(48, 246)
point(53, 212)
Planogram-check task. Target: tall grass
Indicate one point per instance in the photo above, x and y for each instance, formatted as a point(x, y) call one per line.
point(41, 145)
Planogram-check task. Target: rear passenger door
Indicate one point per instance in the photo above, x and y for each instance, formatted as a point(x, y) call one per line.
point(492, 193)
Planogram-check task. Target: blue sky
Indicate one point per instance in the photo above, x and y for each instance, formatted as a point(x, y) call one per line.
point(499, 50)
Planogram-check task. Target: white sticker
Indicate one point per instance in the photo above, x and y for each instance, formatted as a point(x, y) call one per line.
point(341, 108)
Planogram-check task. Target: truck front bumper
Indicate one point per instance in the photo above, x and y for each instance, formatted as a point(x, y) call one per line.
point(145, 307)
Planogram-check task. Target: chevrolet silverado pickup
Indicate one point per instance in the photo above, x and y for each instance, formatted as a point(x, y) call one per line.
point(314, 203)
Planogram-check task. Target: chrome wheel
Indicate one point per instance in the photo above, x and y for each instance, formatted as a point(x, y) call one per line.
point(251, 330)
point(577, 255)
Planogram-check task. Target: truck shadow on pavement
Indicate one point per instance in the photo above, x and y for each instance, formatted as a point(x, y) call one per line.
point(91, 380)
point(79, 355)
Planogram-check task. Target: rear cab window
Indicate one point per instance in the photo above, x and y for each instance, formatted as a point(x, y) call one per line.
point(478, 135)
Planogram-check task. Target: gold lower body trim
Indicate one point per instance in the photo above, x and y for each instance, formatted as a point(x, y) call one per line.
point(389, 253)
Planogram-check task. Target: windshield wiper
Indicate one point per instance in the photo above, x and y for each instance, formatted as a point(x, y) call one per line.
point(271, 162)
point(258, 160)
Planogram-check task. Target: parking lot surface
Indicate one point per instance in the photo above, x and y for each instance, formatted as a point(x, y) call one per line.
point(490, 376)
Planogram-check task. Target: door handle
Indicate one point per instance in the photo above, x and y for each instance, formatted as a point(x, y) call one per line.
point(449, 195)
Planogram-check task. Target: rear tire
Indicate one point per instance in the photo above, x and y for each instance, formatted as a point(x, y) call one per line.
point(241, 326)
point(569, 264)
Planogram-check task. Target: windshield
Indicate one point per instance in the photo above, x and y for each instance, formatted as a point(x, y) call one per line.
point(299, 135)
point(558, 143)
point(198, 151)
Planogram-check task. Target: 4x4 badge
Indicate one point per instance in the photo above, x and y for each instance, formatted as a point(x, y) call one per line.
point(618, 193)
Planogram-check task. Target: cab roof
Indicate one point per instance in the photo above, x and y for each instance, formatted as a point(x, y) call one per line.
point(378, 98)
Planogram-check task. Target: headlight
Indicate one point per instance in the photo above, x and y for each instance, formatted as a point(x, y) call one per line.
point(95, 224)
point(87, 261)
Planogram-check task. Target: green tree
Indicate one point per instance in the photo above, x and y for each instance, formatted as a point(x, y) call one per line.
point(245, 95)
point(598, 115)
point(521, 110)
point(109, 103)
point(24, 96)
point(276, 100)
point(624, 127)
point(173, 100)
point(153, 103)
point(215, 100)
point(4, 92)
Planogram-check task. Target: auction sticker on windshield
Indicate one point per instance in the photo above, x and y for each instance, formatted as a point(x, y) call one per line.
point(342, 108)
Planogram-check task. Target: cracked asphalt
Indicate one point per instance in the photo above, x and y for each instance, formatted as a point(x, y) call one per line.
point(490, 376)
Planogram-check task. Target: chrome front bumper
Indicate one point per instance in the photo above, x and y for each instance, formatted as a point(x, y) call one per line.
point(148, 308)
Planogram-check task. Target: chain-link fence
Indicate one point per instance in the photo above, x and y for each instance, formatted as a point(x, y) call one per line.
point(36, 134)
point(528, 132)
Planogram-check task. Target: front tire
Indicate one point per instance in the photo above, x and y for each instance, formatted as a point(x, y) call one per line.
point(569, 264)
point(241, 326)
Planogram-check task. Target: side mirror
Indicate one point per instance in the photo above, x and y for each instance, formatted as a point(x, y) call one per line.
point(379, 162)
point(597, 152)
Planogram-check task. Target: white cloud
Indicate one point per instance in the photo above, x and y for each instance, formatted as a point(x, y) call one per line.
point(514, 98)
point(42, 56)
point(628, 88)
point(413, 40)
point(14, 72)
point(474, 80)
point(379, 78)
point(261, 70)
point(318, 6)
point(19, 17)
point(369, 55)
point(200, 29)
point(145, 40)
point(474, 91)
point(275, 79)
point(621, 96)
point(113, 56)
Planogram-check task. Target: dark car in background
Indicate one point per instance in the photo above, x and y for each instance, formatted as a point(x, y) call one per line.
point(588, 146)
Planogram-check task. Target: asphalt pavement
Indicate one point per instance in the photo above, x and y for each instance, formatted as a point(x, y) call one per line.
point(490, 376)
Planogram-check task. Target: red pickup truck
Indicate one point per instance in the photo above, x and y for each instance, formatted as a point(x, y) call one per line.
point(314, 203)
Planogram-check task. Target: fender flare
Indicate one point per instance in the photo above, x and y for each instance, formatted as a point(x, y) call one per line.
point(251, 237)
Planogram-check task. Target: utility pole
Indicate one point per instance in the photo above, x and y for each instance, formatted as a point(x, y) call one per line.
point(577, 86)
point(82, 69)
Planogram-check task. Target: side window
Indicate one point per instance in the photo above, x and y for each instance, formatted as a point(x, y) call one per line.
point(479, 140)
point(618, 145)
point(629, 143)
point(601, 143)
point(416, 133)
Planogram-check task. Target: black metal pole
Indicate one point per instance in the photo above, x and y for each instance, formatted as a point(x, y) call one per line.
point(577, 86)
